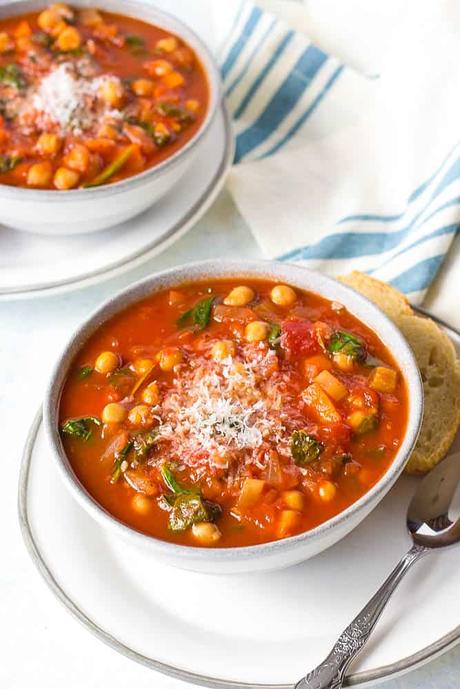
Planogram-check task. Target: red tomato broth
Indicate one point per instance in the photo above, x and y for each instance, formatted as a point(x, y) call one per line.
point(132, 122)
point(145, 328)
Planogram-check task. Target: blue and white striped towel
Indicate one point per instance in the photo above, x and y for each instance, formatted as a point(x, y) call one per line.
point(339, 171)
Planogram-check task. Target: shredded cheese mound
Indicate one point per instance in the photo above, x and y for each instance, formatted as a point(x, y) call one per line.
point(219, 413)
point(66, 100)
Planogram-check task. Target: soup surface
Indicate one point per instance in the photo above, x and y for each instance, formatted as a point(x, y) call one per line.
point(231, 413)
point(90, 98)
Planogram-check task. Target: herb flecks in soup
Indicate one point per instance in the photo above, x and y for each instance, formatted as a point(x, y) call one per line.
point(227, 414)
point(89, 98)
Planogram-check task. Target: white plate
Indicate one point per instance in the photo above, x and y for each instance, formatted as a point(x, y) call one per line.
point(263, 630)
point(34, 265)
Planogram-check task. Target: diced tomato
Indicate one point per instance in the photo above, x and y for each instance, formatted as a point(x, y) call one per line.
point(298, 338)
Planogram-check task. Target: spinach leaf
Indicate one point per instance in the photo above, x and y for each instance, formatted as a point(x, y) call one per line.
point(12, 76)
point(200, 314)
point(172, 484)
point(348, 344)
point(143, 443)
point(171, 110)
point(119, 459)
point(8, 163)
point(304, 448)
point(186, 507)
point(191, 509)
point(79, 428)
point(274, 335)
point(84, 372)
point(136, 44)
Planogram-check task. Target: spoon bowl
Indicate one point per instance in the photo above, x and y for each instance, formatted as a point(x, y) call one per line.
point(431, 528)
point(428, 518)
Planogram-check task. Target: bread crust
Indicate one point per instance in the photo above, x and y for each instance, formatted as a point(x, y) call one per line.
point(439, 367)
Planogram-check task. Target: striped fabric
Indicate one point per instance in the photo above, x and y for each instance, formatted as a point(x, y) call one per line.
point(275, 81)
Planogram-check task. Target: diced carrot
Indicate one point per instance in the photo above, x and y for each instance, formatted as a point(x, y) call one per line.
point(332, 385)
point(173, 80)
point(383, 379)
point(320, 405)
point(23, 29)
point(314, 365)
point(102, 146)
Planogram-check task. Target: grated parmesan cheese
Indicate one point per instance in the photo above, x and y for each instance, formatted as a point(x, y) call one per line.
point(222, 412)
point(68, 100)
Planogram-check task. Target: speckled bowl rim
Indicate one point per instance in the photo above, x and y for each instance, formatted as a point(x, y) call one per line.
point(212, 269)
point(147, 12)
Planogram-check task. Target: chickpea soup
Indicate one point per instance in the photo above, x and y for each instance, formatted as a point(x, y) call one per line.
point(89, 98)
point(231, 413)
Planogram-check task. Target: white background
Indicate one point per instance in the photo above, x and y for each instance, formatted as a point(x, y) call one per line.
point(40, 645)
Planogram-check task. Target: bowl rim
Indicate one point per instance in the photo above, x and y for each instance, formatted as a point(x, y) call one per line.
point(222, 269)
point(150, 14)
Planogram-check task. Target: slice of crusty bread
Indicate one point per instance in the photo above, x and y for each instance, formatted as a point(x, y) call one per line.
point(390, 300)
point(436, 358)
point(439, 367)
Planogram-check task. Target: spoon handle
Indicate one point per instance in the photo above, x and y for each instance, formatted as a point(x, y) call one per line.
point(331, 672)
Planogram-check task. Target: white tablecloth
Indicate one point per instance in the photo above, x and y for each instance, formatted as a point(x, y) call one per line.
point(41, 645)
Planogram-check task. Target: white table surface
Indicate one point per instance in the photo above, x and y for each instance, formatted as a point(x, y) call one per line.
point(41, 645)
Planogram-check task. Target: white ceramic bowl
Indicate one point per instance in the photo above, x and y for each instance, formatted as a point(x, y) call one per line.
point(267, 556)
point(87, 210)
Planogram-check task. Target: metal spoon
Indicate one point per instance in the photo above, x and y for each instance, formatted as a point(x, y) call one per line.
point(430, 527)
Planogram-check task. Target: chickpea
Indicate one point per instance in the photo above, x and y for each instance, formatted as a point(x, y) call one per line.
point(169, 357)
point(239, 296)
point(48, 20)
point(151, 394)
point(294, 499)
point(90, 17)
point(158, 68)
point(62, 10)
point(327, 491)
point(167, 45)
point(142, 87)
point(68, 39)
point(141, 366)
point(141, 415)
point(6, 43)
point(223, 349)
point(49, 144)
point(107, 362)
point(113, 413)
point(78, 158)
point(283, 295)
point(40, 174)
point(141, 504)
point(206, 533)
point(256, 331)
point(65, 178)
point(111, 91)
